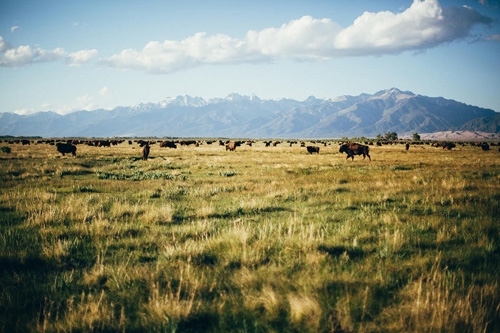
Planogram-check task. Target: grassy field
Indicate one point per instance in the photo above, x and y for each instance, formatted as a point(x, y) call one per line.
point(262, 239)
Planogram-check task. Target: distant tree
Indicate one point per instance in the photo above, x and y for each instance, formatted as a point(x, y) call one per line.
point(391, 136)
point(379, 137)
point(416, 137)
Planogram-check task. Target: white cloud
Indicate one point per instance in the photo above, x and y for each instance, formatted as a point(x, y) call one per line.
point(424, 25)
point(104, 91)
point(25, 55)
point(81, 57)
point(85, 102)
point(4, 45)
point(82, 102)
point(387, 32)
point(306, 37)
point(170, 56)
point(24, 111)
point(14, 28)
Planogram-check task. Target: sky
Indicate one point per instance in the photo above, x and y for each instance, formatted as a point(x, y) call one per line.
point(65, 56)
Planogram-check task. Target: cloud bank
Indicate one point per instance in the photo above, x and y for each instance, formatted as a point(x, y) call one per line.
point(422, 26)
point(25, 55)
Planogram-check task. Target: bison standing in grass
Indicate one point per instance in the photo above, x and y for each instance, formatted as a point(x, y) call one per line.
point(485, 146)
point(448, 145)
point(66, 148)
point(352, 149)
point(145, 152)
point(312, 149)
point(168, 144)
point(231, 146)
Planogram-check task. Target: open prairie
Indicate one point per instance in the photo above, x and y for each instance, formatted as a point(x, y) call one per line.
point(259, 239)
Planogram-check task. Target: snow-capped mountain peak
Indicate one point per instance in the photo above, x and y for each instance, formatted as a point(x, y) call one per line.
point(185, 100)
point(393, 93)
point(249, 116)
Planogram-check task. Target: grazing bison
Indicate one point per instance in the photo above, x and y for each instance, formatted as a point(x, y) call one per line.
point(168, 144)
point(231, 146)
point(66, 148)
point(145, 152)
point(104, 143)
point(449, 145)
point(312, 149)
point(352, 149)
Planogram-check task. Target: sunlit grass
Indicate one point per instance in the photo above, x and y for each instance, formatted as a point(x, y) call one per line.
point(259, 239)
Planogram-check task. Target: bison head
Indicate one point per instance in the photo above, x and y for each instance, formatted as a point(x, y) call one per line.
point(343, 149)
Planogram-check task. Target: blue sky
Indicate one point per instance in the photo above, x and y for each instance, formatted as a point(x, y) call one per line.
point(64, 56)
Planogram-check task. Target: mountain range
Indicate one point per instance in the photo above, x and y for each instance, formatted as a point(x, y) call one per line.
point(237, 116)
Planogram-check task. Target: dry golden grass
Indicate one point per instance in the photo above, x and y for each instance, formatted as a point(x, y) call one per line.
point(259, 239)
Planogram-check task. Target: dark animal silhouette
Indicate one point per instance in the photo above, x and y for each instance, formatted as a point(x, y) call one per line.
point(448, 145)
point(66, 148)
point(312, 149)
point(485, 146)
point(145, 152)
point(352, 149)
point(168, 144)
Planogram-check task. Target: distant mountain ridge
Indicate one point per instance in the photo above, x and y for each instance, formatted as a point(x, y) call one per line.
point(390, 110)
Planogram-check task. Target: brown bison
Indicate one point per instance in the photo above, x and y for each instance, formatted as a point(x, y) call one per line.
point(231, 146)
point(312, 149)
point(145, 152)
point(352, 149)
point(66, 148)
point(168, 144)
point(448, 145)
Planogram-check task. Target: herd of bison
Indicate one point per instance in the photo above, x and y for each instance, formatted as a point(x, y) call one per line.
point(69, 146)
